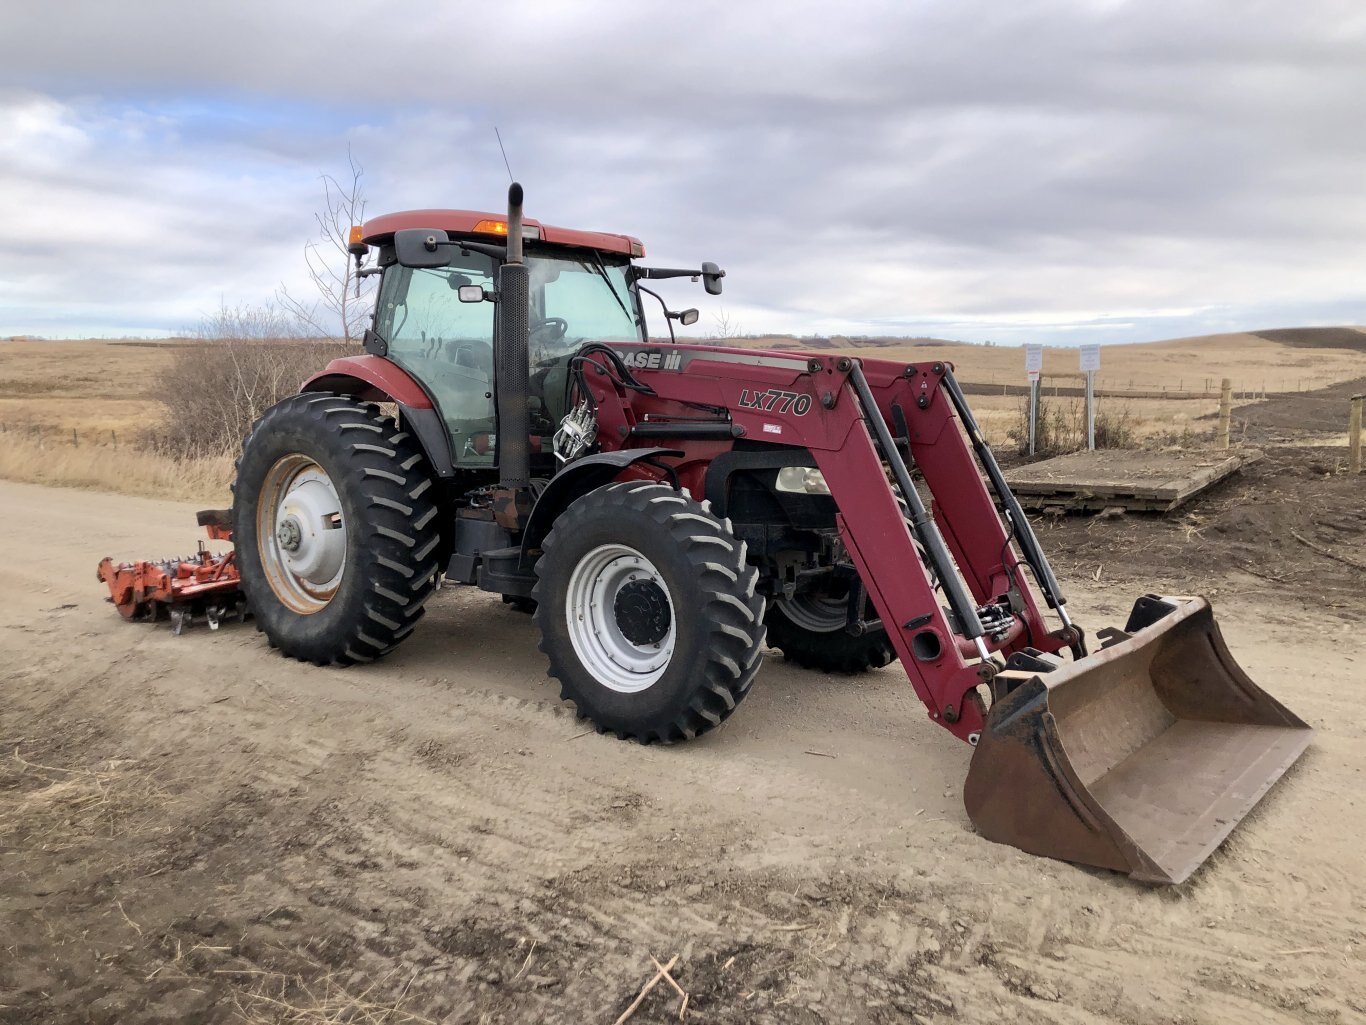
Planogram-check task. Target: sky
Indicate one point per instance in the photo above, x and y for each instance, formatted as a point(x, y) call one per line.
point(1058, 172)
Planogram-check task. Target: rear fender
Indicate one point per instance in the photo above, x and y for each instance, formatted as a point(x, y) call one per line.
point(376, 379)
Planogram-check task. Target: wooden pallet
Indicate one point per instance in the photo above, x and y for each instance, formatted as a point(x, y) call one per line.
point(1132, 480)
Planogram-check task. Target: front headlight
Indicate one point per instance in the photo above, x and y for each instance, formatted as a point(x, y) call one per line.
point(802, 480)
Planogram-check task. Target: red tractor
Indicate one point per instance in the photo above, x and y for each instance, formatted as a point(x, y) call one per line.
point(669, 510)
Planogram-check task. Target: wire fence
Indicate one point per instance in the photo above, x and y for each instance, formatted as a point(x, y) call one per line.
point(48, 434)
point(1071, 384)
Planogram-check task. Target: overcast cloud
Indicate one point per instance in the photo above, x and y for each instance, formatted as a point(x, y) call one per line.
point(1053, 171)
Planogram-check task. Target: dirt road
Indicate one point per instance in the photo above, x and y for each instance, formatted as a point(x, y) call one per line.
point(194, 829)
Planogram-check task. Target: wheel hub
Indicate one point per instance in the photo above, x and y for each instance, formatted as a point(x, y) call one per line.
point(620, 618)
point(288, 534)
point(306, 530)
point(817, 612)
point(642, 611)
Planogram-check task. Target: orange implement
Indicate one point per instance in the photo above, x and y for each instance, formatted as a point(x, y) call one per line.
point(202, 583)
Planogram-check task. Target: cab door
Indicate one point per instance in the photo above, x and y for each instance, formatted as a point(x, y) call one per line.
point(446, 345)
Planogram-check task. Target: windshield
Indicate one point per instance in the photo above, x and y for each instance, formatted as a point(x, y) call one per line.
point(577, 299)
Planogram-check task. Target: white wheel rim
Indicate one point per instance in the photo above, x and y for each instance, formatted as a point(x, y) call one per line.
point(300, 534)
point(816, 613)
point(598, 618)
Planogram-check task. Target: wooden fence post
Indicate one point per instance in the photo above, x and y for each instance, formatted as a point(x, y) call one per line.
point(1354, 434)
point(1225, 411)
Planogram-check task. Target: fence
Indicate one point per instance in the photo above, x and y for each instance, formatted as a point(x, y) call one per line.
point(47, 434)
point(1354, 434)
point(1074, 386)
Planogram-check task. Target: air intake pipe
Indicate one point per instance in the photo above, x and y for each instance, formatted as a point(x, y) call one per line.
point(511, 360)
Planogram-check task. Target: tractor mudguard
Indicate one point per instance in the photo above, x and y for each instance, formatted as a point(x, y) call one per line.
point(376, 379)
point(578, 478)
point(370, 378)
point(1141, 757)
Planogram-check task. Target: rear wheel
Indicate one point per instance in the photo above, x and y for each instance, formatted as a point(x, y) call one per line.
point(648, 612)
point(809, 629)
point(335, 529)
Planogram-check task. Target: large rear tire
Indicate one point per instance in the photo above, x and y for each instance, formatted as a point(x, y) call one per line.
point(335, 529)
point(648, 612)
point(810, 631)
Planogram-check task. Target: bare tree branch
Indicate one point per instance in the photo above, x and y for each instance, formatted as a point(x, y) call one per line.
point(344, 300)
point(726, 326)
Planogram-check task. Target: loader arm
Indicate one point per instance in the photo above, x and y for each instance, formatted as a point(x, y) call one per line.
point(1141, 757)
point(965, 541)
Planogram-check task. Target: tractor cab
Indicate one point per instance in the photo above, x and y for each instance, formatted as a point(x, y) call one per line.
point(438, 322)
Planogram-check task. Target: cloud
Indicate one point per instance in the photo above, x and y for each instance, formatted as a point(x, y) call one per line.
point(113, 220)
point(981, 170)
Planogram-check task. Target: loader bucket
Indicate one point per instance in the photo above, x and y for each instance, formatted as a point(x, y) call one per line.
point(1141, 757)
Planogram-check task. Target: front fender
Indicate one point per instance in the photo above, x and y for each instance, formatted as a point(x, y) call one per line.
point(575, 480)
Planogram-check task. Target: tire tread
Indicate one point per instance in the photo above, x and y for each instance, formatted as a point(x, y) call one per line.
point(398, 529)
point(731, 617)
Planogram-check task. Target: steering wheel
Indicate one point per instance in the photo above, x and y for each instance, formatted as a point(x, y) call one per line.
point(556, 326)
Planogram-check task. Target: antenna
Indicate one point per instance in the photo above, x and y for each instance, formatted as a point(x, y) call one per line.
point(505, 154)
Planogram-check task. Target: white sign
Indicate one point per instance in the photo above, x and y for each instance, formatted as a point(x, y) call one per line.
point(1033, 360)
point(1090, 358)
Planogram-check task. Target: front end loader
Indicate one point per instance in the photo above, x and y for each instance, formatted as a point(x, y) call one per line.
point(668, 510)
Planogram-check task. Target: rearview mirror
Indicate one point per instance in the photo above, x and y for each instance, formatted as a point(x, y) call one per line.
point(472, 293)
point(422, 247)
point(711, 278)
point(687, 317)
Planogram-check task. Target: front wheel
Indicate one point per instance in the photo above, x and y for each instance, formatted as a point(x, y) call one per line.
point(648, 612)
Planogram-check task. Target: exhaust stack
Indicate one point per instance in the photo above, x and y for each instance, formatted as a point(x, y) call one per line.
point(511, 360)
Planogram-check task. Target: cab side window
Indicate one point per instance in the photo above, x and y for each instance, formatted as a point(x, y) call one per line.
point(445, 344)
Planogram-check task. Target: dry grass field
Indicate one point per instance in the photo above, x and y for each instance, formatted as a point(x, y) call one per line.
point(105, 391)
point(71, 412)
point(75, 414)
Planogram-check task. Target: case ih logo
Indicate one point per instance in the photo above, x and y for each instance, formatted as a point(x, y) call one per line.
point(775, 401)
point(653, 359)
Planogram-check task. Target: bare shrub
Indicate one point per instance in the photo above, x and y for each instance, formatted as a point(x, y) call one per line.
point(1061, 428)
point(1114, 429)
point(244, 360)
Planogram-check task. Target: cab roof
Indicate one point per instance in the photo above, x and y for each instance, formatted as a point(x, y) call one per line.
point(474, 222)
